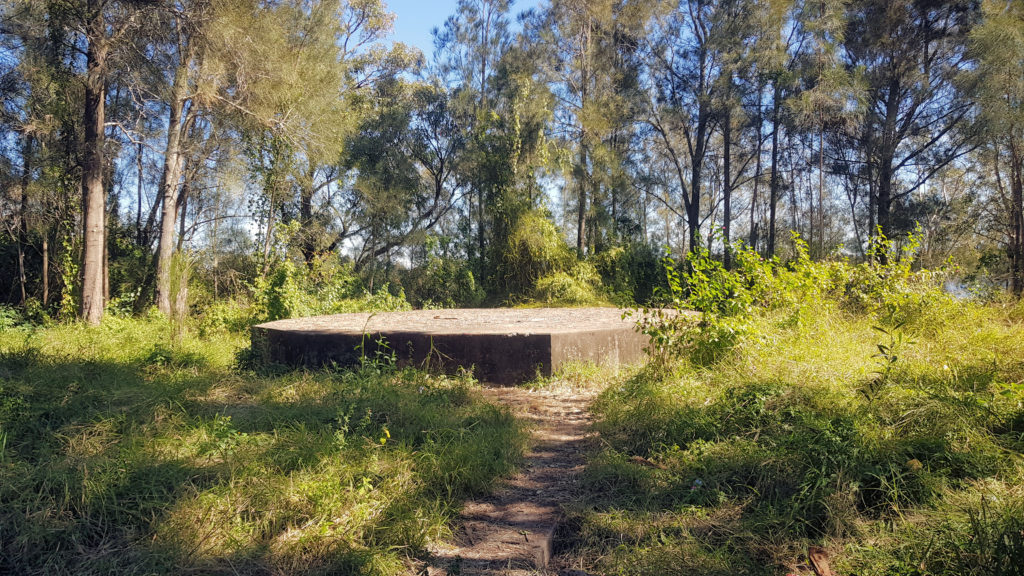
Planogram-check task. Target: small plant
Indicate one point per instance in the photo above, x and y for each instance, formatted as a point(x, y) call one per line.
point(886, 358)
point(721, 297)
point(223, 439)
point(380, 358)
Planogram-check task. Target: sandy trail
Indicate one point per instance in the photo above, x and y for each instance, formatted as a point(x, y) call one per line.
point(510, 532)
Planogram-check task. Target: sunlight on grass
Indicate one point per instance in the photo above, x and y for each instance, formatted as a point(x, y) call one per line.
point(127, 451)
point(790, 439)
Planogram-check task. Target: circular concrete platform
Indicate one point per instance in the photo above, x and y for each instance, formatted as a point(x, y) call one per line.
point(501, 345)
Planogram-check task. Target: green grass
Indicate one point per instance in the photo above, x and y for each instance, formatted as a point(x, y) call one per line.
point(797, 436)
point(122, 451)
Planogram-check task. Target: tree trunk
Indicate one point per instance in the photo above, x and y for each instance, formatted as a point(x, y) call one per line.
point(183, 212)
point(106, 262)
point(26, 179)
point(581, 208)
point(883, 202)
point(480, 226)
point(821, 191)
point(727, 186)
point(92, 166)
point(46, 268)
point(693, 208)
point(169, 181)
point(1017, 218)
point(757, 182)
point(138, 195)
point(307, 243)
point(773, 194)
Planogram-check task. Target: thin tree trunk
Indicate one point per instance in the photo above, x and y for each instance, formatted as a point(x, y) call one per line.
point(106, 263)
point(1017, 218)
point(480, 222)
point(821, 191)
point(774, 183)
point(26, 179)
point(183, 213)
point(794, 216)
point(581, 208)
point(757, 183)
point(884, 198)
point(727, 186)
point(138, 196)
point(173, 159)
point(46, 268)
point(92, 165)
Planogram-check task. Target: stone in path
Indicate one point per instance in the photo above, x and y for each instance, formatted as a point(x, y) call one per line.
point(511, 531)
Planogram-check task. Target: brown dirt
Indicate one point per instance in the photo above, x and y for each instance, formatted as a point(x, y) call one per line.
point(511, 531)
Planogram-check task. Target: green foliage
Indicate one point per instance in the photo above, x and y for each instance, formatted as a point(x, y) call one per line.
point(69, 299)
point(124, 451)
point(885, 286)
point(578, 286)
point(901, 457)
point(535, 248)
point(328, 287)
point(442, 281)
point(629, 273)
point(886, 358)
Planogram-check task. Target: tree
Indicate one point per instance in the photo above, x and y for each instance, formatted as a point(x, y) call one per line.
point(998, 84)
point(685, 68)
point(912, 53)
point(468, 49)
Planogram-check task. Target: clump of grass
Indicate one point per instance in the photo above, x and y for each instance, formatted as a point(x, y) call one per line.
point(885, 424)
point(580, 375)
point(124, 450)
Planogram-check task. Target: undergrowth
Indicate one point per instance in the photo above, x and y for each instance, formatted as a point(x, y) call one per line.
point(123, 450)
point(853, 407)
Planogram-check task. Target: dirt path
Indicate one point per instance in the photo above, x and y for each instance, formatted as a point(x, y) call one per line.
point(511, 531)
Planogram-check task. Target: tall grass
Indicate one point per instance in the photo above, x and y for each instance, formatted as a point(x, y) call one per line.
point(885, 423)
point(127, 451)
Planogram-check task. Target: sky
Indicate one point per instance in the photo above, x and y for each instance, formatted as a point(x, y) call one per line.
point(414, 19)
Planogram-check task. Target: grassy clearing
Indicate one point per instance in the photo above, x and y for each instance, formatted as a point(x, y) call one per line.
point(124, 452)
point(802, 431)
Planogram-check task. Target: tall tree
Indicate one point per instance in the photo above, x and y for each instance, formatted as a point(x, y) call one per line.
point(468, 49)
point(998, 85)
point(912, 52)
point(686, 71)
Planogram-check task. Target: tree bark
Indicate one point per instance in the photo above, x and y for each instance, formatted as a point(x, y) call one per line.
point(169, 182)
point(757, 181)
point(26, 179)
point(46, 268)
point(138, 195)
point(183, 212)
point(581, 208)
point(1017, 218)
point(727, 186)
point(773, 187)
point(92, 166)
point(821, 191)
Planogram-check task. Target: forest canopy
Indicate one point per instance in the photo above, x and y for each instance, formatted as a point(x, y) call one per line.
point(180, 153)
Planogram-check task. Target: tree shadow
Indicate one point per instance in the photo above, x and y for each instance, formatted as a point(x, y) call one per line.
point(98, 455)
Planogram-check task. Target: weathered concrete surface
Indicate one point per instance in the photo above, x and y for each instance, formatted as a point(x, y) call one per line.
point(501, 345)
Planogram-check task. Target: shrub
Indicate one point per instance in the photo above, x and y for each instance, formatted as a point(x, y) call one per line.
point(535, 248)
point(442, 281)
point(328, 287)
point(630, 273)
point(579, 286)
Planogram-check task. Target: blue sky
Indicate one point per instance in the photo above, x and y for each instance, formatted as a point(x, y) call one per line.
point(414, 19)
